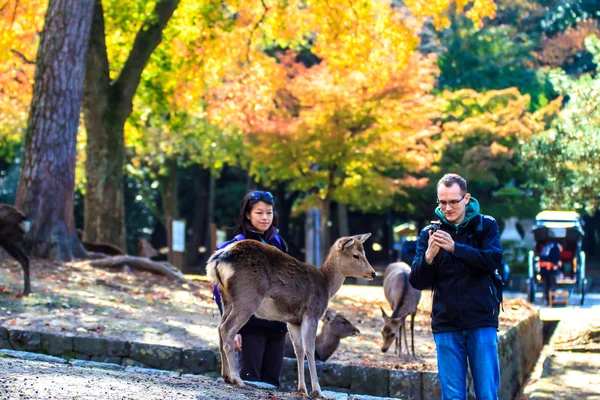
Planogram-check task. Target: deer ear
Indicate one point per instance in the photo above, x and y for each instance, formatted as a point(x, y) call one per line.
point(362, 238)
point(329, 316)
point(345, 244)
point(383, 314)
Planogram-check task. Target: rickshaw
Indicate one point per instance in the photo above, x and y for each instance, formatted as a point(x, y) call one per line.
point(567, 228)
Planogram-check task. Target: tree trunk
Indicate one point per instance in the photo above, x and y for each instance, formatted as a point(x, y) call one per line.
point(107, 105)
point(284, 211)
point(169, 190)
point(324, 207)
point(210, 206)
point(46, 186)
point(342, 214)
point(199, 220)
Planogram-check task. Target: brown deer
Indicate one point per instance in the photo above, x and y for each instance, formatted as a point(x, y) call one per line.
point(255, 278)
point(13, 226)
point(105, 248)
point(403, 299)
point(335, 328)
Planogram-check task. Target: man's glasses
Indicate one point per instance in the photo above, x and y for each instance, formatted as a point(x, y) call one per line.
point(452, 203)
point(267, 197)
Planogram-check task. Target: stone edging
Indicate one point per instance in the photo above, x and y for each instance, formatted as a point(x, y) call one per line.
point(519, 349)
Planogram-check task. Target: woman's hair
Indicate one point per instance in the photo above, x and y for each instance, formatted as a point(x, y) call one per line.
point(248, 201)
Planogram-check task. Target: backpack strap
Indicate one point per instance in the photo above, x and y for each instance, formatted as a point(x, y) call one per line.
point(496, 278)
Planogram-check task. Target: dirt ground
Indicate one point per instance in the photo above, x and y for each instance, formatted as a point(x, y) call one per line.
point(20, 379)
point(143, 307)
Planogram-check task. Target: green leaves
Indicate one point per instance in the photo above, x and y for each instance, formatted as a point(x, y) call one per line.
point(566, 159)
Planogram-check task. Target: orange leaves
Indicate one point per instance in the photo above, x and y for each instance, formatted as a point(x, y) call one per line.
point(20, 22)
point(559, 48)
point(476, 10)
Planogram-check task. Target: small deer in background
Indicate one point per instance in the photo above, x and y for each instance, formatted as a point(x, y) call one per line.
point(255, 278)
point(104, 248)
point(403, 299)
point(13, 226)
point(335, 328)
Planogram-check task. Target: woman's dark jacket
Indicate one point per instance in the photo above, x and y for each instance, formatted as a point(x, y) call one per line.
point(258, 325)
point(465, 296)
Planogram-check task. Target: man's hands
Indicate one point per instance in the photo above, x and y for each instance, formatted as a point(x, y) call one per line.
point(438, 240)
point(237, 342)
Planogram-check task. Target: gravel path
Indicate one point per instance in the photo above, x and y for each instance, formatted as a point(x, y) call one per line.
point(25, 379)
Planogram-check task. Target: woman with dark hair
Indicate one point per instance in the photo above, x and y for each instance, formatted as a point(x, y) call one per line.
point(261, 342)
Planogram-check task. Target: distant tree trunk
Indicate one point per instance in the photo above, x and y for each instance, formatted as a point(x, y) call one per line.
point(107, 105)
point(210, 206)
point(169, 190)
point(200, 225)
point(342, 214)
point(324, 207)
point(284, 210)
point(47, 184)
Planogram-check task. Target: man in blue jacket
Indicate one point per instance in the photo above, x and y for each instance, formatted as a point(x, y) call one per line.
point(458, 259)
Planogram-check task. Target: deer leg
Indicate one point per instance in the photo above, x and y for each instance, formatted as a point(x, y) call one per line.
point(397, 343)
point(296, 336)
point(17, 252)
point(309, 333)
point(405, 337)
point(412, 332)
point(224, 364)
point(238, 316)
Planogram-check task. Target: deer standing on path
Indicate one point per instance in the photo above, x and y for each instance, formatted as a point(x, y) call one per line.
point(13, 226)
point(335, 328)
point(255, 278)
point(403, 299)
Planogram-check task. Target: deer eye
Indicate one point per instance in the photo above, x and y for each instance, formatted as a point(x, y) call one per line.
point(355, 256)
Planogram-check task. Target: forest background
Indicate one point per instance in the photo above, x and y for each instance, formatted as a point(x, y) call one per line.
point(352, 108)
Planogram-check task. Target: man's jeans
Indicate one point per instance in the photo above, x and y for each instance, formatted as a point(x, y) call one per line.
point(480, 346)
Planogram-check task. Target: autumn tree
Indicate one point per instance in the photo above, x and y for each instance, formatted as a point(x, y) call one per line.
point(566, 49)
point(20, 22)
point(499, 55)
point(336, 128)
point(481, 136)
point(107, 105)
point(229, 39)
point(563, 162)
point(46, 186)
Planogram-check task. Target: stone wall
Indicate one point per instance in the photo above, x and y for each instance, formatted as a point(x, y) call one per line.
point(519, 349)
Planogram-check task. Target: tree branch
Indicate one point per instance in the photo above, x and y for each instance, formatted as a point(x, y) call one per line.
point(22, 57)
point(262, 18)
point(146, 41)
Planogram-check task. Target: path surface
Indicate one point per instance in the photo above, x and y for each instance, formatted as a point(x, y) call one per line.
point(53, 378)
point(560, 372)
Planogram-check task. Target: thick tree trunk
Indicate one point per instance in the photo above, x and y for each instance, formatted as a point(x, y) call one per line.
point(107, 106)
point(46, 186)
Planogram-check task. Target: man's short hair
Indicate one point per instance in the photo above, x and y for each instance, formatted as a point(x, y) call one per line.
point(450, 179)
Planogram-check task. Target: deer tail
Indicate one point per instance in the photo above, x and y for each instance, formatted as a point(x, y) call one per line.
point(219, 267)
point(25, 225)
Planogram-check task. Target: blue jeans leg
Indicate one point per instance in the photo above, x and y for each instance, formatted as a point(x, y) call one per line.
point(482, 347)
point(452, 364)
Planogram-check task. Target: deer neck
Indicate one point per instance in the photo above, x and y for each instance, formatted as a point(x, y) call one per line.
point(332, 274)
point(325, 344)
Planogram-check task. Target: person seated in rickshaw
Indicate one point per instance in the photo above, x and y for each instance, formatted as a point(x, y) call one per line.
point(549, 266)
